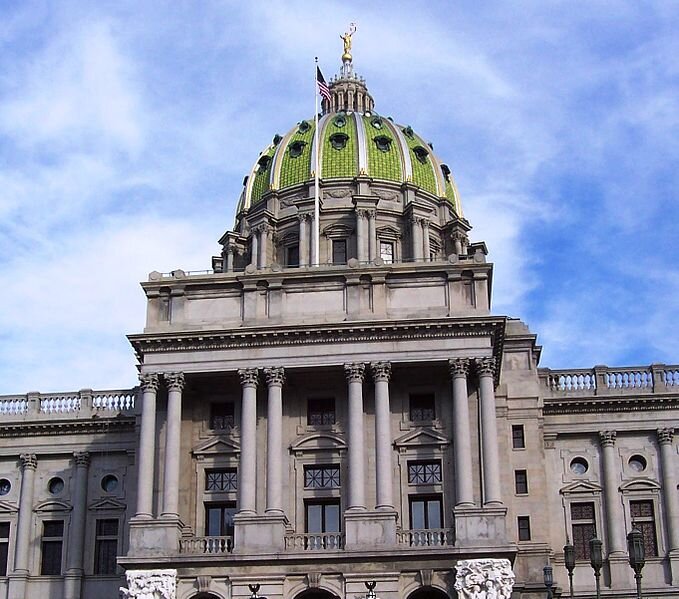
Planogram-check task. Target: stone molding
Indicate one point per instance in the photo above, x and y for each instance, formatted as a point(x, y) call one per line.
point(665, 436)
point(29, 461)
point(485, 366)
point(607, 438)
point(175, 381)
point(355, 372)
point(458, 367)
point(275, 377)
point(381, 371)
point(484, 579)
point(81, 458)
point(150, 584)
point(149, 382)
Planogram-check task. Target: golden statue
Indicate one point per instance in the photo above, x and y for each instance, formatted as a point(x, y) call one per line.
point(346, 38)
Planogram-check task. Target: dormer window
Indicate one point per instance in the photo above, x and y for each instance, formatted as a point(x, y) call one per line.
point(446, 171)
point(339, 140)
point(408, 132)
point(377, 122)
point(304, 126)
point(276, 139)
point(383, 143)
point(339, 121)
point(263, 164)
point(421, 153)
point(296, 148)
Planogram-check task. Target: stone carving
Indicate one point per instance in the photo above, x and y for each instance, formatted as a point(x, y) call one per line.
point(314, 580)
point(149, 382)
point(81, 458)
point(458, 367)
point(274, 376)
point(248, 377)
point(390, 196)
point(426, 577)
point(174, 380)
point(150, 584)
point(485, 366)
point(607, 438)
point(337, 193)
point(203, 583)
point(381, 371)
point(665, 435)
point(303, 217)
point(484, 579)
point(354, 372)
point(29, 461)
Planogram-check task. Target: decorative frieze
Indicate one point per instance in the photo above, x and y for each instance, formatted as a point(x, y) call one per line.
point(249, 377)
point(149, 382)
point(150, 584)
point(458, 367)
point(607, 438)
point(29, 461)
point(175, 381)
point(484, 579)
point(381, 371)
point(355, 372)
point(274, 376)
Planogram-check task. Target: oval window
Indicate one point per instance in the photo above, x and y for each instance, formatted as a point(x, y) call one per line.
point(421, 153)
point(304, 126)
point(377, 123)
point(579, 466)
point(263, 164)
point(339, 121)
point(637, 463)
point(339, 140)
point(55, 486)
point(5, 486)
point(296, 148)
point(109, 483)
point(383, 143)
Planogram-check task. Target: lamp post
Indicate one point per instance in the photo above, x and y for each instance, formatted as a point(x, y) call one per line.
point(371, 589)
point(569, 560)
point(548, 577)
point(596, 560)
point(253, 591)
point(637, 555)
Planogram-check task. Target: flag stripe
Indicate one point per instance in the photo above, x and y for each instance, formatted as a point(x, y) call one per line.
point(323, 88)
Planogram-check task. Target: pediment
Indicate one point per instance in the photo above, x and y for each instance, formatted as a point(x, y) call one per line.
point(422, 437)
point(7, 508)
point(108, 503)
point(581, 486)
point(217, 445)
point(52, 505)
point(338, 230)
point(640, 484)
point(318, 442)
point(388, 232)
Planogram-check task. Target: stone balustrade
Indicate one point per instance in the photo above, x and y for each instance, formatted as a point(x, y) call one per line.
point(206, 545)
point(430, 537)
point(317, 541)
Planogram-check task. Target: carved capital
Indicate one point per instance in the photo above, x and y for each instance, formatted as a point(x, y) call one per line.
point(231, 249)
point(485, 366)
point(149, 382)
point(175, 381)
point(362, 213)
point(607, 438)
point(355, 372)
point(81, 458)
point(150, 584)
point(249, 377)
point(458, 235)
point(303, 217)
point(275, 377)
point(416, 220)
point(381, 371)
point(371, 214)
point(458, 367)
point(665, 436)
point(484, 578)
point(29, 461)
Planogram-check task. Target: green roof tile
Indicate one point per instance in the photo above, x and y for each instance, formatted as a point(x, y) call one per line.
point(339, 163)
point(423, 172)
point(296, 169)
point(381, 164)
point(261, 184)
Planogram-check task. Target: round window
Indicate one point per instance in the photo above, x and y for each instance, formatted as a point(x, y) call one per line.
point(5, 486)
point(55, 486)
point(579, 466)
point(109, 483)
point(637, 463)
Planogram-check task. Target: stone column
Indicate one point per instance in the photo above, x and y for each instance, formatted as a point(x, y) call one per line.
point(175, 384)
point(372, 234)
point(361, 236)
point(254, 246)
point(614, 516)
point(76, 529)
point(147, 446)
point(381, 372)
point(264, 232)
point(303, 239)
point(490, 456)
point(669, 486)
point(457, 241)
point(314, 260)
point(416, 237)
point(29, 463)
point(230, 251)
point(427, 246)
point(247, 470)
point(355, 373)
point(274, 440)
point(462, 444)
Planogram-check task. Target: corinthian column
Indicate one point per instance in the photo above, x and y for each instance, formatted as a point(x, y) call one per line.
point(614, 516)
point(147, 445)
point(372, 234)
point(303, 239)
point(247, 469)
point(669, 485)
point(29, 463)
point(361, 240)
point(274, 439)
point(462, 444)
point(490, 455)
point(381, 372)
point(355, 373)
point(76, 532)
point(254, 246)
point(416, 237)
point(175, 384)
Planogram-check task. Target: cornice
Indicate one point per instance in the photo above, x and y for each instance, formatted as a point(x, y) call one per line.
point(595, 404)
point(39, 428)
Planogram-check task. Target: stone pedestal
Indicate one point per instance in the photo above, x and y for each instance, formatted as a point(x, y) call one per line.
point(154, 537)
point(621, 576)
point(366, 529)
point(476, 526)
point(674, 567)
point(259, 534)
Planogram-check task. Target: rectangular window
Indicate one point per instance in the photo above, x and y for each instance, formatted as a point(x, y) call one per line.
point(426, 512)
point(292, 256)
point(422, 407)
point(524, 528)
point(643, 518)
point(52, 542)
point(424, 473)
point(219, 519)
point(387, 252)
point(225, 479)
point(322, 517)
point(4, 547)
point(321, 477)
point(518, 437)
point(339, 251)
point(321, 411)
point(106, 547)
point(221, 416)
point(521, 482)
point(583, 527)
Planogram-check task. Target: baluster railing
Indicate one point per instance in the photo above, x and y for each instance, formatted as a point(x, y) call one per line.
point(320, 541)
point(12, 406)
point(429, 537)
point(206, 545)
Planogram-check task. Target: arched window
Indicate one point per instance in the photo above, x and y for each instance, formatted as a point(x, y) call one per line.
point(428, 593)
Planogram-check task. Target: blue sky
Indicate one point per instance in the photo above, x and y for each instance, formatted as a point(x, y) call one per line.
point(126, 129)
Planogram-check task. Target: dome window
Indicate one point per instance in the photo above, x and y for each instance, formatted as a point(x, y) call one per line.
point(304, 126)
point(446, 171)
point(296, 148)
point(339, 121)
point(263, 164)
point(408, 131)
point(276, 139)
point(383, 143)
point(377, 123)
point(421, 153)
point(339, 140)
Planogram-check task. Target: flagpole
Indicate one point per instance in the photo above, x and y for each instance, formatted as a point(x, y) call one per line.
point(317, 225)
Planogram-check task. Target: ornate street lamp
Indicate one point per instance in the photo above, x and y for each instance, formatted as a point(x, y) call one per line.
point(637, 555)
point(596, 560)
point(253, 591)
point(371, 589)
point(569, 560)
point(548, 577)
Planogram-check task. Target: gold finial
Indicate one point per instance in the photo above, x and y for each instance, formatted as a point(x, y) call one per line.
point(346, 38)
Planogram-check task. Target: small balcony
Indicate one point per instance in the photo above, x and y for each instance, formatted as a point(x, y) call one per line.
point(206, 545)
point(428, 537)
point(314, 541)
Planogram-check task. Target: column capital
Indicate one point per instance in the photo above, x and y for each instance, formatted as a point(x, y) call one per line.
point(416, 220)
point(29, 461)
point(355, 372)
point(458, 367)
point(303, 216)
point(381, 371)
point(81, 458)
point(175, 381)
point(485, 366)
point(607, 438)
point(149, 381)
point(362, 213)
point(665, 435)
point(249, 377)
point(274, 376)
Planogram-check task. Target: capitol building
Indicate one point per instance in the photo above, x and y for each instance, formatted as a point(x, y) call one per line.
point(334, 411)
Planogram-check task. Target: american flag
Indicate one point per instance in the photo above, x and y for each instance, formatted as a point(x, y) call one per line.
point(323, 88)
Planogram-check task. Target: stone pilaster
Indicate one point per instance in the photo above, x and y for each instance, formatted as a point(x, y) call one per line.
point(492, 494)
point(147, 445)
point(274, 440)
point(372, 234)
point(462, 444)
point(426, 243)
point(355, 374)
point(303, 238)
point(175, 384)
point(416, 237)
point(361, 235)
